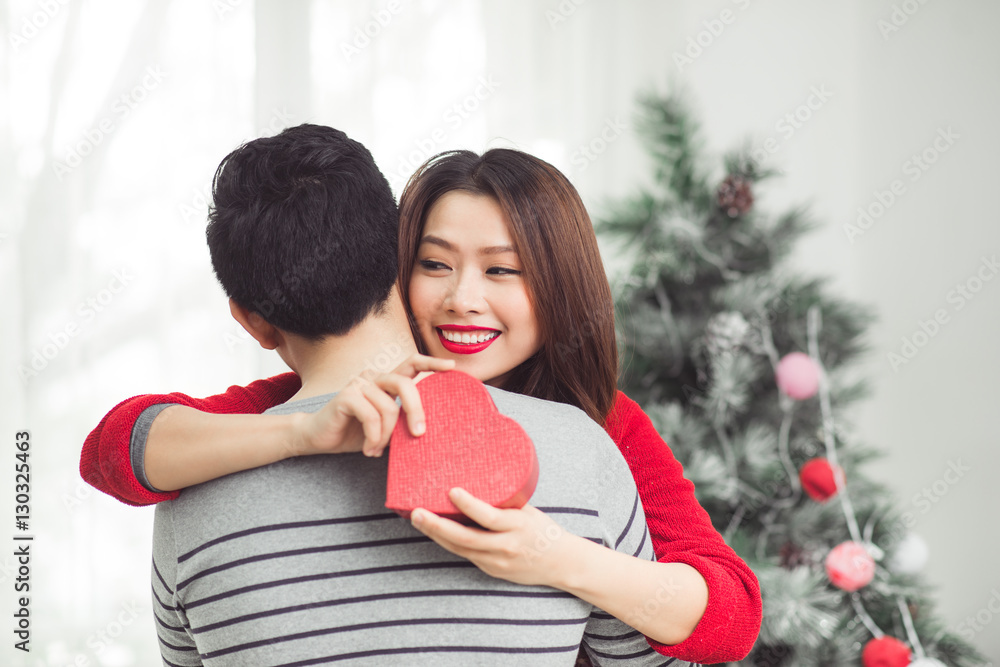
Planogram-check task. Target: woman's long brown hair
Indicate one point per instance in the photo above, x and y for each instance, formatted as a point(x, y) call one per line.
point(568, 287)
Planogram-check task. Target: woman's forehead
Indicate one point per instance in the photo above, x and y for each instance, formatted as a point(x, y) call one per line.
point(460, 220)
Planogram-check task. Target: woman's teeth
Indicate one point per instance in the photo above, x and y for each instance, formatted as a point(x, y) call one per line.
point(468, 338)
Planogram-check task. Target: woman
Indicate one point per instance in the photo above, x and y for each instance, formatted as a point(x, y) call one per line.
point(500, 271)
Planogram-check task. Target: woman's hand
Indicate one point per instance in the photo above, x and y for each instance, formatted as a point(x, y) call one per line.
point(664, 601)
point(362, 416)
point(523, 546)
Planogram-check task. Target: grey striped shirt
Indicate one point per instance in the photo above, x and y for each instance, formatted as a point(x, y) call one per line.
point(299, 563)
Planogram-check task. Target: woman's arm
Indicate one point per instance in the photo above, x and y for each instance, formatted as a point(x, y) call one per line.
point(195, 440)
point(105, 461)
point(359, 418)
point(662, 600)
point(682, 532)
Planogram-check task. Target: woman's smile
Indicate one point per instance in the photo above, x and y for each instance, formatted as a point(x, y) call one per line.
point(466, 339)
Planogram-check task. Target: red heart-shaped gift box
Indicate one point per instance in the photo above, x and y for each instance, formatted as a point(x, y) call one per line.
point(468, 443)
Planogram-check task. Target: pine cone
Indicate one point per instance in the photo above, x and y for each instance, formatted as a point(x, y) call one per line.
point(792, 556)
point(735, 196)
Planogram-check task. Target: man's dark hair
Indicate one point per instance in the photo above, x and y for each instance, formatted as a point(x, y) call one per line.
point(302, 229)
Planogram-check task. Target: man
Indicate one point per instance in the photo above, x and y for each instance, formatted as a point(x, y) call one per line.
point(298, 562)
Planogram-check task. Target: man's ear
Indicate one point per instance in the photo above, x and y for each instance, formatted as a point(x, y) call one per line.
point(263, 332)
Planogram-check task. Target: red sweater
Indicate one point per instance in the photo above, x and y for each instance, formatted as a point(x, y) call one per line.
point(680, 528)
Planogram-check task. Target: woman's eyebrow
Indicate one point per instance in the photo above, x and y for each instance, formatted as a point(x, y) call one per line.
point(438, 241)
point(487, 250)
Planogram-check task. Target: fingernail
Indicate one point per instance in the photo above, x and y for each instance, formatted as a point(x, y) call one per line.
point(457, 492)
point(416, 518)
point(419, 428)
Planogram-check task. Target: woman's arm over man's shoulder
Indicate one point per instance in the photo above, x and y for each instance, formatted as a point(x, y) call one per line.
point(682, 532)
point(105, 462)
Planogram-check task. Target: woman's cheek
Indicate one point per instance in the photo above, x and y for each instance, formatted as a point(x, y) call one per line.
point(421, 305)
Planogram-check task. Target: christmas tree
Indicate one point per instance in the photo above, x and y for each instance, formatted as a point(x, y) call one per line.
point(743, 366)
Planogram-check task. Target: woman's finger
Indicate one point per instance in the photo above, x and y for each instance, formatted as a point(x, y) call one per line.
point(480, 511)
point(357, 405)
point(388, 413)
point(419, 363)
point(409, 398)
point(451, 535)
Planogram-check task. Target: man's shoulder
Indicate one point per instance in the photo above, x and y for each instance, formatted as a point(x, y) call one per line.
point(520, 407)
point(563, 434)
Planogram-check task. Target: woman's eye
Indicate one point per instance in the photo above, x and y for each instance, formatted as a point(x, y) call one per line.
point(502, 271)
point(431, 265)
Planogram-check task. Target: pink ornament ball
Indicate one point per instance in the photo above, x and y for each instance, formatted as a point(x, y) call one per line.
point(885, 652)
point(817, 477)
point(797, 376)
point(849, 566)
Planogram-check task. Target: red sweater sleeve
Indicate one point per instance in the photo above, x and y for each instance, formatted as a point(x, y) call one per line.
point(105, 463)
point(682, 532)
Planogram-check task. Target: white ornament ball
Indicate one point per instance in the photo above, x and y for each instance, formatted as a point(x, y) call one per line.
point(910, 555)
point(725, 332)
point(927, 662)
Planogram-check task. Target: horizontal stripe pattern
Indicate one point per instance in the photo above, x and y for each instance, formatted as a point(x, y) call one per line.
point(331, 578)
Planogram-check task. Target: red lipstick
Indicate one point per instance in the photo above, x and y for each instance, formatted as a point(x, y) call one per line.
point(464, 348)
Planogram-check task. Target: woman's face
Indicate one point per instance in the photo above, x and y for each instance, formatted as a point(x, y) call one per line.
point(467, 293)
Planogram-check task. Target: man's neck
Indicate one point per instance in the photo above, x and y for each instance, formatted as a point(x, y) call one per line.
point(376, 345)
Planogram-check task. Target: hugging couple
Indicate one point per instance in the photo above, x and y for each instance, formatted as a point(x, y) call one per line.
point(280, 551)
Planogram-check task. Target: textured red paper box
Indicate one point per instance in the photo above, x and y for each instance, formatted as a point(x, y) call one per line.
point(468, 443)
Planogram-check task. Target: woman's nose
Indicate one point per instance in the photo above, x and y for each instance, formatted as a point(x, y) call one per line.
point(466, 295)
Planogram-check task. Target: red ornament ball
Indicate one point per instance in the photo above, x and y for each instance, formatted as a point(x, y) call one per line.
point(849, 566)
point(817, 477)
point(797, 376)
point(885, 652)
